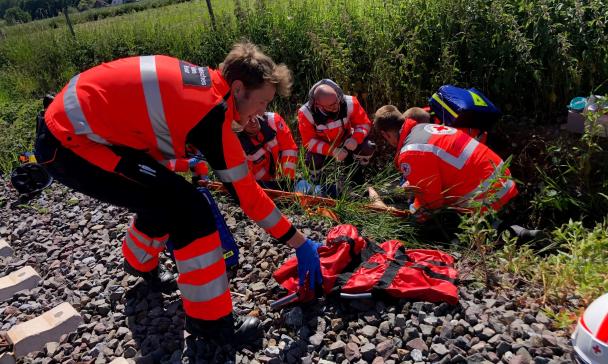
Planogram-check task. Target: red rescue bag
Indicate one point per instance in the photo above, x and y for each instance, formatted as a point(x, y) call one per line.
point(351, 264)
point(343, 248)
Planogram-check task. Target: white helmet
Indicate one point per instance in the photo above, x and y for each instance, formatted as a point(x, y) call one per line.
point(590, 339)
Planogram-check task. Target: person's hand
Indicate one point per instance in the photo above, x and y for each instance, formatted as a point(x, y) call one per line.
point(350, 144)
point(340, 154)
point(309, 265)
point(198, 167)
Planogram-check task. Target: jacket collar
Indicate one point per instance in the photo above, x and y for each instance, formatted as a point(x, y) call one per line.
point(405, 130)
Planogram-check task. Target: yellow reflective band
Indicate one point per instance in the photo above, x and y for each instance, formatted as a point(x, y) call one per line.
point(477, 100)
point(445, 106)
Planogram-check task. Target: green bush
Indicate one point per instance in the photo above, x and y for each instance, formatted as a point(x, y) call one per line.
point(16, 15)
point(573, 178)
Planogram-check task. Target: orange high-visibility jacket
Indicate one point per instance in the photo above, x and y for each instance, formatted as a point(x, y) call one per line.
point(272, 151)
point(322, 135)
point(451, 168)
point(155, 104)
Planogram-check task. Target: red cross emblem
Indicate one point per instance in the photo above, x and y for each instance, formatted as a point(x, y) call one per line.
point(596, 350)
point(439, 129)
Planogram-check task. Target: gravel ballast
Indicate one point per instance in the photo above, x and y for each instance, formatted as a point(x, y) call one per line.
point(73, 242)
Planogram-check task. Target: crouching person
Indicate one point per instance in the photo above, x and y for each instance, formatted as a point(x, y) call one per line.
point(272, 154)
point(448, 167)
point(334, 125)
point(108, 133)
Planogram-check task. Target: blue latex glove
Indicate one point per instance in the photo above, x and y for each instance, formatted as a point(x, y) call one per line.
point(309, 264)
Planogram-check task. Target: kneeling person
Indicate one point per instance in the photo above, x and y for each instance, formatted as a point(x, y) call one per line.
point(334, 125)
point(447, 166)
point(272, 154)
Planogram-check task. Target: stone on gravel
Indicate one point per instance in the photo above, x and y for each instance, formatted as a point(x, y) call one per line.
point(368, 352)
point(369, 331)
point(352, 352)
point(385, 348)
point(416, 355)
point(542, 318)
point(417, 343)
point(337, 347)
point(316, 339)
point(439, 349)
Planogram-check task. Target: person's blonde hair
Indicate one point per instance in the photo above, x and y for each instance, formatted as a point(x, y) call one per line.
point(247, 63)
point(388, 118)
point(418, 114)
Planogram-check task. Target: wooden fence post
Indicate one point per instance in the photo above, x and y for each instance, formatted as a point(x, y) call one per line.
point(68, 21)
point(211, 15)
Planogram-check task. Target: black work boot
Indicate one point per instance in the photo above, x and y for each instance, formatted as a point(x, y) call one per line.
point(159, 279)
point(525, 235)
point(247, 331)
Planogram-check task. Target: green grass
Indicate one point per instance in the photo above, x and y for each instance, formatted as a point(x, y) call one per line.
point(577, 268)
point(17, 127)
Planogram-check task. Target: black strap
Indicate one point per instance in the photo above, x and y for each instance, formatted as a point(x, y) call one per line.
point(396, 263)
point(438, 263)
point(431, 273)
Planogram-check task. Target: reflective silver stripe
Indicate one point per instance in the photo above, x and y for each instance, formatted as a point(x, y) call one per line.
point(154, 104)
point(290, 165)
point(307, 114)
point(160, 242)
point(75, 114)
point(259, 174)
point(319, 149)
point(289, 153)
point(270, 118)
point(418, 135)
point(349, 105)
point(467, 200)
point(141, 255)
point(199, 262)
point(271, 220)
point(169, 163)
point(204, 292)
point(146, 241)
point(365, 128)
point(332, 125)
point(503, 191)
point(485, 184)
point(456, 162)
point(272, 143)
point(312, 143)
point(233, 174)
point(255, 156)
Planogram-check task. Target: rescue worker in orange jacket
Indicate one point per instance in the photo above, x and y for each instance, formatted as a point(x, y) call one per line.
point(271, 152)
point(107, 133)
point(334, 125)
point(447, 166)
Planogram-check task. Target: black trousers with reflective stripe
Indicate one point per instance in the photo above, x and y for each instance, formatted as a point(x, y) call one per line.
point(165, 203)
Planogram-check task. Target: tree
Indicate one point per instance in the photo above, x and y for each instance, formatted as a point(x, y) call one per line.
point(85, 5)
point(16, 15)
